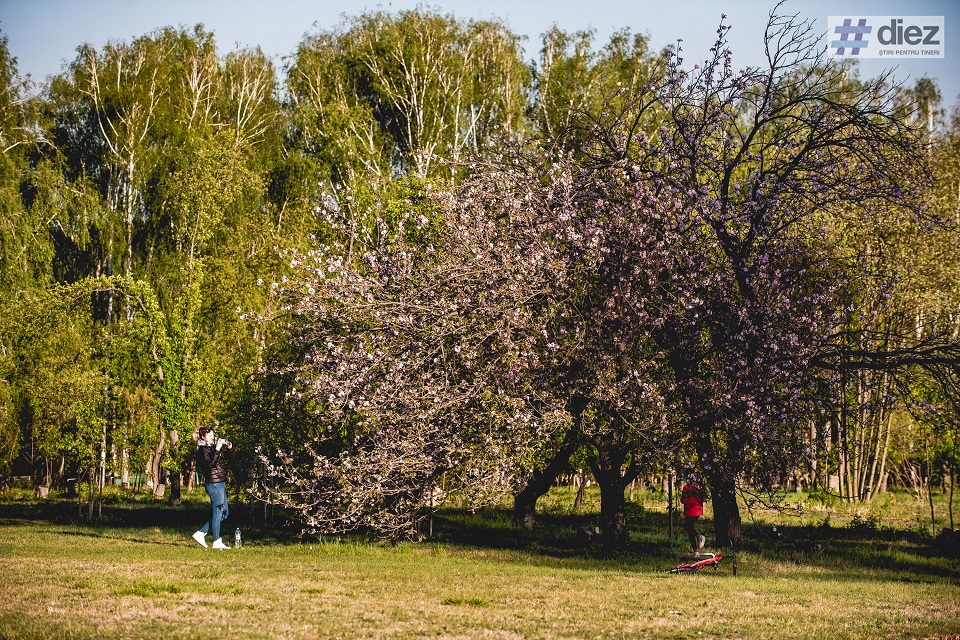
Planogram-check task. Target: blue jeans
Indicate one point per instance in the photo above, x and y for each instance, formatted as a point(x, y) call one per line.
point(218, 503)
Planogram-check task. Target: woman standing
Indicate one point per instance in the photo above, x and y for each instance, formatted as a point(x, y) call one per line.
point(211, 462)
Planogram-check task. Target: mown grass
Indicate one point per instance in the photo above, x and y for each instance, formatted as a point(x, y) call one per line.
point(138, 574)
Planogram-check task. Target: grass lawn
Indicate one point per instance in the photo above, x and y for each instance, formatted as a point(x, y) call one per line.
point(137, 574)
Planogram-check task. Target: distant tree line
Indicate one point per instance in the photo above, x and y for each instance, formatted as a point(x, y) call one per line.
point(413, 263)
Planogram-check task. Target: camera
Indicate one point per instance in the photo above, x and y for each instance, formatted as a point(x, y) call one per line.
point(223, 442)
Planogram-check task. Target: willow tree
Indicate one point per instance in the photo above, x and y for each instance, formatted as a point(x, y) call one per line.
point(154, 143)
point(25, 248)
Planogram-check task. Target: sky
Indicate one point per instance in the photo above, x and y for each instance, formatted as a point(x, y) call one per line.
point(44, 34)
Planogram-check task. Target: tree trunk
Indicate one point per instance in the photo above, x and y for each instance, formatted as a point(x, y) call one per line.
point(189, 471)
point(91, 490)
point(882, 474)
point(726, 512)
point(525, 505)
point(581, 490)
point(125, 468)
point(525, 502)
point(953, 472)
point(176, 475)
point(613, 519)
point(670, 507)
point(722, 482)
point(609, 473)
point(155, 460)
point(929, 474)
point(175, 485)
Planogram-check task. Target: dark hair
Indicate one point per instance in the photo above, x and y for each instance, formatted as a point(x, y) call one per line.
point(203, 431)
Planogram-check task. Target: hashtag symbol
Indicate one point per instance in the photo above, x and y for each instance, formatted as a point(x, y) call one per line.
point(851, 36)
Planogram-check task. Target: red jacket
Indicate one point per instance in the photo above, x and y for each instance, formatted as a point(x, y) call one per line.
point(692, 500)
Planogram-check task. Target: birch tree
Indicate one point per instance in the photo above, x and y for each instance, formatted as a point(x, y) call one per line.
point(400, 92)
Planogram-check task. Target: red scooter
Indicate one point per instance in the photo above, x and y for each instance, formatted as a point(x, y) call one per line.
point(698, 561)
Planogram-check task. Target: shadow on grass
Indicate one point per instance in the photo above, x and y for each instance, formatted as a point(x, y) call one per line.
point(122, 538)
point(131, 515)
point(863, 552)
point(852, 552)
point(857, 553)
point(185, 518)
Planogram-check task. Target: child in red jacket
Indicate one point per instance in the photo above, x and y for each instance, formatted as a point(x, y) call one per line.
point(692, 496)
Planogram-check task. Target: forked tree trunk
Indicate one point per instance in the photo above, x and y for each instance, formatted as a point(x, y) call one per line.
point(155, 470)
point(608, 469)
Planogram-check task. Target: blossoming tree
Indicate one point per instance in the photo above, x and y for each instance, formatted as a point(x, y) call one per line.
point(760, 164)
point(671, 282)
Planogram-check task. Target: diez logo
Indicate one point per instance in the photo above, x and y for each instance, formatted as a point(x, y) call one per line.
point(851, 37)
point(896, 34)
point(885, 36)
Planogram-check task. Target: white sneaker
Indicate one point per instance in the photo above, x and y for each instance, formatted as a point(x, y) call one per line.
point(218, 544)
point(198, 536)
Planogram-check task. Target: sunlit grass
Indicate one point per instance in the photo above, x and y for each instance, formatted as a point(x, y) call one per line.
point(818, 578)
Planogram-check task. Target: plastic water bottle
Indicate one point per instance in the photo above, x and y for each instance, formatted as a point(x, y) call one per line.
point(237, 543)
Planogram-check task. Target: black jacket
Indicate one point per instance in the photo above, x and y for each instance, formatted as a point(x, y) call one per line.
point(212, 463)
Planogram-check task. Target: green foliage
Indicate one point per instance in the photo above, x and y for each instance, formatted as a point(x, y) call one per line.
point(868, 524)
point(412, 91)
point(24, 248)
point(634, 513)
point(818, 495)
point(573, 78)
point(10, 431)
point(67, 363)
point(465, 600)
point(148, 589)
point(181, 170)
